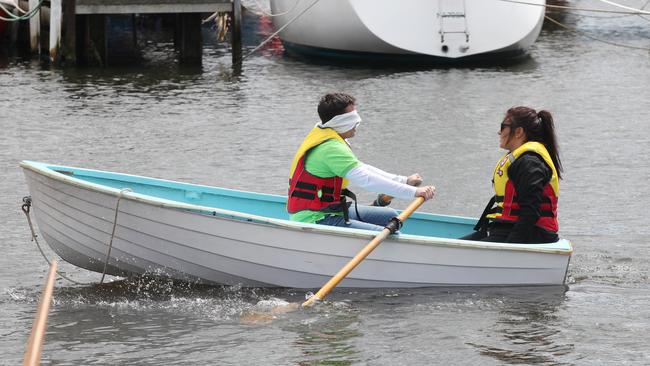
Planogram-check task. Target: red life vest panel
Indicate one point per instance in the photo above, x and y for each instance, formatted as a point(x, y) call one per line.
point(309, 192)
point(510, 210)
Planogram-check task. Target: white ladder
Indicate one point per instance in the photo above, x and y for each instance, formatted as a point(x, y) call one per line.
point(452, 18)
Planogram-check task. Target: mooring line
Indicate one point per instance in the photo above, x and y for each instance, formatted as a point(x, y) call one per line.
point(625, 7)
point(595, 38)
point(268, 14)
point(277, 32)
point(25, 16)
point(26, 208)
point(110, 243)
point(629, 12)
point(27, 203)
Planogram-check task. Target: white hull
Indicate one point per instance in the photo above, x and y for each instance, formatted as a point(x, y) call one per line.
point(159, 236)
point(448, 29)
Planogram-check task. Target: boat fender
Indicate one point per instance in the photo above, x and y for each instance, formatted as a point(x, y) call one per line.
point(394, 225)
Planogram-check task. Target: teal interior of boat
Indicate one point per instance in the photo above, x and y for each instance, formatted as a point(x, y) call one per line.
point(265, 205)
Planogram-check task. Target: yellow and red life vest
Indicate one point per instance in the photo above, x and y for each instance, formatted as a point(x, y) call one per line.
point(507, 207)
point(307, 191)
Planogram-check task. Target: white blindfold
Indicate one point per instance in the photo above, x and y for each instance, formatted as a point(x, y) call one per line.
point(343, 122)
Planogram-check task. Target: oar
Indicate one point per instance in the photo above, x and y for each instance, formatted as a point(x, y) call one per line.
point(35, 342)
point(343, 272)
point(257, 317)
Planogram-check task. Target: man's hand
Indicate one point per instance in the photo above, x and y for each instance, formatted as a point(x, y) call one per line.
point(427, 192)
point(414, 180)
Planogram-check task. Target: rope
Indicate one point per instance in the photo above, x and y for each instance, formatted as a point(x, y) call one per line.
point(268, 14)
point(278, 31)
point(594, 38)
point(616, 16)
point(15, 4)
point(625, 7)
point(635, 12)
point(601, 16)
point(25, 16)
point(27, 203)
point(110, 243)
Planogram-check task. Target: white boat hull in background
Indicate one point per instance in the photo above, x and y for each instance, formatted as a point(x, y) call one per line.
point(446, 29)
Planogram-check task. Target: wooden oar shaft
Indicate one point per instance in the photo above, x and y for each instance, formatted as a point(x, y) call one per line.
point(343, 272)
point(35, 343)
point(408, 211)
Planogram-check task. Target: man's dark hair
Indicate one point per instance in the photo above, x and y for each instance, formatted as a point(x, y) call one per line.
point(333, 104)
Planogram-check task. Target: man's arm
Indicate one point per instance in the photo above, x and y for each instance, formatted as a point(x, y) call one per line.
point(369, 179)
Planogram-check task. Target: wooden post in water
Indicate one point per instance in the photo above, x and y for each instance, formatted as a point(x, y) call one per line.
point(19, 31)
point(190, 39)
point(63, 37)
point(56, 20)
point(13, 31)
point(69, 33)
point(236, 33)
point(134, 33)
point(35, 28)
point(93, 41)
point(98, 39)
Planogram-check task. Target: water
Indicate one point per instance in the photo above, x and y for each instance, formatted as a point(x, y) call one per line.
point(210, 126)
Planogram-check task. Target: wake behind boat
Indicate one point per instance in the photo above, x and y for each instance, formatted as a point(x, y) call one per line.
point(418, 30)
point(223, 236)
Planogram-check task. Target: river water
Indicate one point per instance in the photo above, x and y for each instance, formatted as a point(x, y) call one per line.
point(208, 125)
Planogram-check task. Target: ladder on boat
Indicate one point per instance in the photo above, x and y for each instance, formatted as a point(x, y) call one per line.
point(453, 20)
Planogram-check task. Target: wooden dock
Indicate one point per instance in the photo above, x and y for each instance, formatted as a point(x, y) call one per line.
point(78, 28)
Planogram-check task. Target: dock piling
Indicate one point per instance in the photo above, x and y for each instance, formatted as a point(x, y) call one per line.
point(69, 33)
point(190, 44)
point(35, 28)
point(56, 19)
point(236, 40)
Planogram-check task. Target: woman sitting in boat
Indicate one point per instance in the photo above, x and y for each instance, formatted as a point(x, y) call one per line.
point(324, 164)
point(526, 182)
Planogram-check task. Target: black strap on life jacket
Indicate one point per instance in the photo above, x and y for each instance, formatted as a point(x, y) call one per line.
point(482, 223)
point(348, 193)
point(346, 212)
point(499, 199)
point(515, 212)
point(343, 205)
point(312, 190)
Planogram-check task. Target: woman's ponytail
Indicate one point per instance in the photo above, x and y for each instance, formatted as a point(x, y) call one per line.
point(550, 139)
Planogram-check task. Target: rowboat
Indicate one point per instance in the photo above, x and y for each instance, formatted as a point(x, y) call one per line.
point(222, 236)
point(416, 30)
